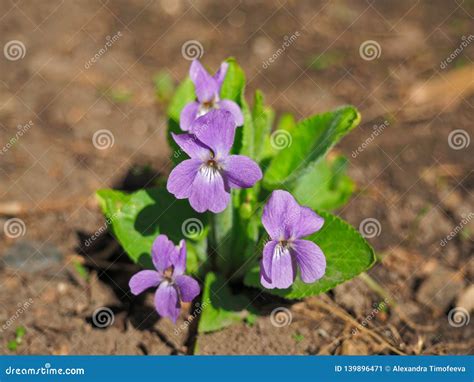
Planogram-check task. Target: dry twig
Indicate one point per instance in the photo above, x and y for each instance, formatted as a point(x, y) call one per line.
point(342, 314)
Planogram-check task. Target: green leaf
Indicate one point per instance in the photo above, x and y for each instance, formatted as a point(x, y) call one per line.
point(327, 60)
point(177, 154)
point(347, 255)
point(285, 123)
point(262, 123)
point(20, 332)
point(164, 86)
point(136, 219)
point(310, 141)
point(183, 95)
point(220, 308)
point(241, 239)
point(245, 240)
point(298, 337)
point(234, 82)
point(324, 185)
point(222, 224)
point(81, 270)
point(233, 88)
point(12, 345)
point(245, 135)
point(116, 95)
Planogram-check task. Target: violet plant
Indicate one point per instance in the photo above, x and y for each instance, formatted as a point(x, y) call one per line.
point(248, 202)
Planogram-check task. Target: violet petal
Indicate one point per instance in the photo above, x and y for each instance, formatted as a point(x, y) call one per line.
point(220, 74)
point(234, 109)
point(208, 192)
point(161, 252)
point(188, 115)
point(266, 263)
point(166, 301)
point(281, 215)
point(241, 171)
point(283, 272)
point(179, 261)
point(216, 129)
point(143, 280)
point(188, 288)
point(192, 146)
point(310, 259)
point(309, 223)
point(181, 178)
point(205, 85)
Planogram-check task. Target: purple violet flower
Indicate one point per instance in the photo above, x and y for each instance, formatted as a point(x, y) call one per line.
point(173, 286)
point(206, 178)
point(287, 222)
point(207, 91)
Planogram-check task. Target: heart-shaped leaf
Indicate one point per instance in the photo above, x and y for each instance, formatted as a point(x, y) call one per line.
point(324, 185)
point(136, 219)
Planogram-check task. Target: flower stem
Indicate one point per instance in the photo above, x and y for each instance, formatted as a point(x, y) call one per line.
point(222, 239)
point(377, 288)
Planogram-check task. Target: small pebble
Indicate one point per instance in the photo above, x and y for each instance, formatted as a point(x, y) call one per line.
point(32, 257)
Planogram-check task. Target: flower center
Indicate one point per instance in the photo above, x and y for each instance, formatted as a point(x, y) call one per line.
point(212, 163)
point(208, 105)
point(285, 243)
point(168, 273)
point(205, 107)
point(211, 166)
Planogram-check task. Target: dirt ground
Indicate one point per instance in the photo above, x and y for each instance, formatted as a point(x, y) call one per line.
point(413, 177)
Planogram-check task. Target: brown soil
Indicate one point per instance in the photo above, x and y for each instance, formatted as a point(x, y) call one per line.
point(408, 177)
